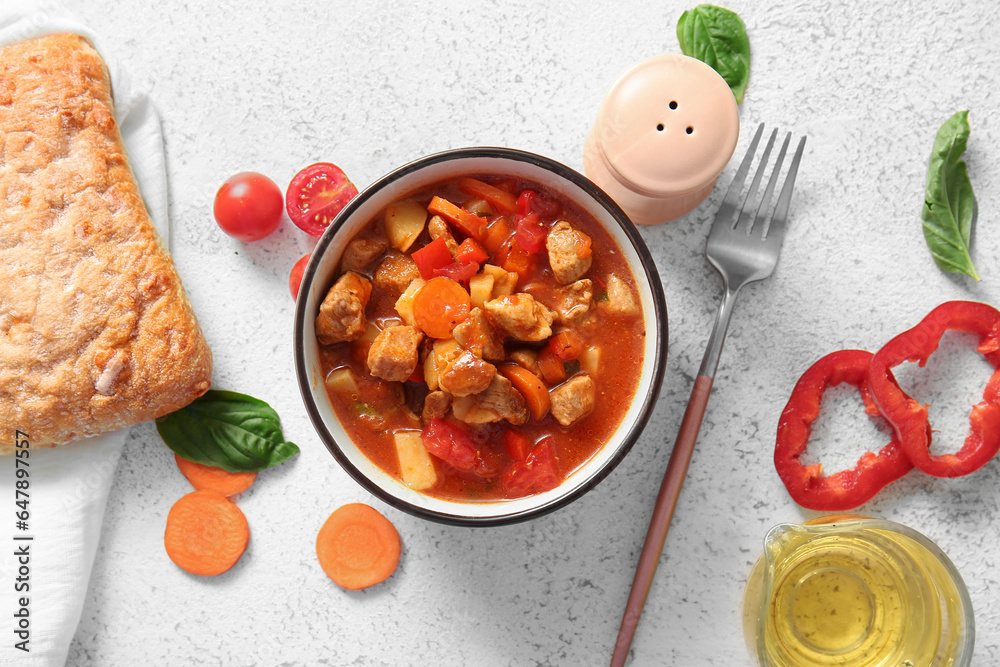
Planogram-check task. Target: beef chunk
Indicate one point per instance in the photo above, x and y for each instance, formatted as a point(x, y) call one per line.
point(502, 398)
point(361, 252)
point(342, 314)
point(569, 252)
point(521, 317)
point(395, 273)
point(478, 335)
point(395, 353)
point(572, 399)
point(466, 375)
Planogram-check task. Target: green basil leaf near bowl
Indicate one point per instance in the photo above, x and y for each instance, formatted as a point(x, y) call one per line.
point(949, 203)
point(717, 37)
point(227, 430)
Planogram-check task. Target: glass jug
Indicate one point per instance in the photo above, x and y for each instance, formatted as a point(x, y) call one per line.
point(851, 591)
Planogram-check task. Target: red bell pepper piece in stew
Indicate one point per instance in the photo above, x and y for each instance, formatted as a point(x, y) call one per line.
point(431, 257)
point(847, 489)
point(909, 419)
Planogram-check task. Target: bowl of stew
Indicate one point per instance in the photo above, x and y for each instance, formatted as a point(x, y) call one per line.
point(480, 336)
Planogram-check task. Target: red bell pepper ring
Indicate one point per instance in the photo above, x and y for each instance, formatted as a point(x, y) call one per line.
point(909, 419)
point(847, 489)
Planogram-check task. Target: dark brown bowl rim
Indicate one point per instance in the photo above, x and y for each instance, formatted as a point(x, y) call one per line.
point(659, 362)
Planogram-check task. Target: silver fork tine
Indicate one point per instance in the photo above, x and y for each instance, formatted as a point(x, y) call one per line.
point(785, 198)
point(728, 206)
point(746, 216)
point(760, 224)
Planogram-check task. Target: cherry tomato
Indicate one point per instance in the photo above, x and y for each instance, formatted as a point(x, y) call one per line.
point(316, 195)
point(295, 278)
point(248, 206)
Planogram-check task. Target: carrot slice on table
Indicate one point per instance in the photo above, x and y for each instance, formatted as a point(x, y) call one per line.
point(206, 533)
point(357, 547)
point(209, 478)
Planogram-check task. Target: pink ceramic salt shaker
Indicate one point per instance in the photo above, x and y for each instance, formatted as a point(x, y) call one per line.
point(665, 131)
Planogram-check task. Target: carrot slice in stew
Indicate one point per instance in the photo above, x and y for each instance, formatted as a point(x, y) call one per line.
point(210, 478)
point(357, 547)
point(497, 234)
point(206, 533)
point(440, 306)
point(470, 251)
point(550, 366)
point(468, 223)
point(531, 387)
point(501, 200)
point(567, 345)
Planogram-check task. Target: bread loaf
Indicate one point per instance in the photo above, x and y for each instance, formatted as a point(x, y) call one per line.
point(96, 332)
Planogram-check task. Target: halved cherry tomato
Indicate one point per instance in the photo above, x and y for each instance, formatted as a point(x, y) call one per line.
point(248, 206)
point(449, 443)
point(432, 256)
point(537, 473)
point(295, 278)
point(516, 444)
point(316, 195)
point(439, 306)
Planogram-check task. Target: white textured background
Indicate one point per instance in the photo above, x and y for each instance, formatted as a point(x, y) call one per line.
point(370, 85)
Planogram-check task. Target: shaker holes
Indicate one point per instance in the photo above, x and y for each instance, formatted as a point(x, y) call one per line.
point(659, 128)
point(689, 130)
point(673, 105)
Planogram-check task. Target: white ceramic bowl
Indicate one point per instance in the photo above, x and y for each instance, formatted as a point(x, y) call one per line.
point(319, 275)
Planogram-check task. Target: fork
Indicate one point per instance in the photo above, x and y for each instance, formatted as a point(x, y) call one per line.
point(743, 250)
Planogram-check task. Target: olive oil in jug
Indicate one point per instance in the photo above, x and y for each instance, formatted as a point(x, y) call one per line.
point(856, 592)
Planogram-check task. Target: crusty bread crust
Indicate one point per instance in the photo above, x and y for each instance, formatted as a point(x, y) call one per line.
point(96, 332)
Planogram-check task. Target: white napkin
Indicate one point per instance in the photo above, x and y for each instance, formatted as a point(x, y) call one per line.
point(68, 486)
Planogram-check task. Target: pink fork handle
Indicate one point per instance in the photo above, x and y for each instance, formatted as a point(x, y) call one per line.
point(663, 513)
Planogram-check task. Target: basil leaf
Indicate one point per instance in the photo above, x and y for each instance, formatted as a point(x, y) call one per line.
point(717, 37)
point(227, 430)
point(949, 204)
